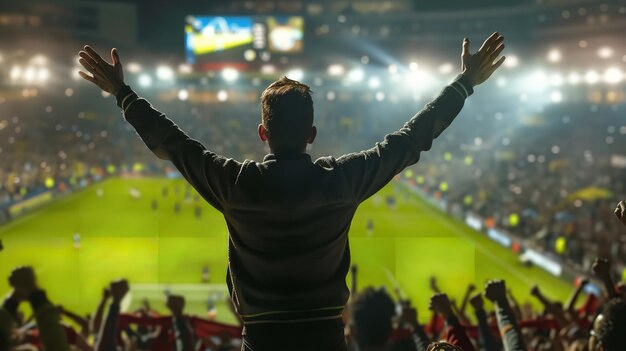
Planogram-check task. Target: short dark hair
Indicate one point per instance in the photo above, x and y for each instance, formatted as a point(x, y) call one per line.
point(371, 315)
point(611, 329)
point(287, 114)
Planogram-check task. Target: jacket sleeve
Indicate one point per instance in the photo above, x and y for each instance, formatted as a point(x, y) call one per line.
point(210, 174)
point(369, 170)
point(52, 333)
point(509, 329)
point(486, 339)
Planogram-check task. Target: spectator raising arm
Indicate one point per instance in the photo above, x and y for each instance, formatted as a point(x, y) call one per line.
point(601, 267)
point(408, 318)
point(96, 321)
point(209, 173)
point(440, 303)
point(369, 170)
point(571, 302)
point(107, 338)
point(485, 337)
point(182, 329)
point(620, 212)
point(51, 332)
point(512, 339)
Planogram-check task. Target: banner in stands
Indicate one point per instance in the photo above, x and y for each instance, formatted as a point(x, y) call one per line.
point(499, 237)
point(30, 204)
point(474, 221)
point(542, 261)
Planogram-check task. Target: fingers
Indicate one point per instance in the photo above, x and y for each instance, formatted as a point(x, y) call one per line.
point(489, 41)
point(89, 67)
point(85, 56)
point(494, 45)
point(466, 49)
point(494, 54)
point(498, 64)
point(115, 57)
point(96, 57)
point(87, 77)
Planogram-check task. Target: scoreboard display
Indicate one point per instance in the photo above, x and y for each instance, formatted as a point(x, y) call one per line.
point(212, 39)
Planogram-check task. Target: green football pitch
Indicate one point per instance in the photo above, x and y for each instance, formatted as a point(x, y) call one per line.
point(122, 236)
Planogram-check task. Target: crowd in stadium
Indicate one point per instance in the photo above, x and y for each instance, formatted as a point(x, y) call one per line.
point(375, 321)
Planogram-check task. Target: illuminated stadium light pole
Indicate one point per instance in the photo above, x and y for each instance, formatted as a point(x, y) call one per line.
point(230, 74)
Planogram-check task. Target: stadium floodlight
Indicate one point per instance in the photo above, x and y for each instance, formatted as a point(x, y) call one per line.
point(605, 52)
point(222, 95)
point(330, 95)
point(29, 74)
point(230, 74)
point(336, 70)
point(393, 69)
point(268, 69)
point(185, 68)
point(16, 73)
point(295, 74)
point(380, 96)
point(374, 82)
point(356, 75)
point(556, 79)
point(554, 55)
point(613, 75)
point(511, 61)
point(556, 96)
point(501, 82)
point(574, 78)
point(249, 55)
point(145, 80)
point(133, 67)
point(592, 77)
point(43, 74)
point(183, 94)
point(413, 66)
point(445, 68)
point(165, 72)
point(537, 81)
point(39, 60)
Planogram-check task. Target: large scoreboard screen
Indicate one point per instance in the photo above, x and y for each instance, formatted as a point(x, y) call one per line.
point(211, 39)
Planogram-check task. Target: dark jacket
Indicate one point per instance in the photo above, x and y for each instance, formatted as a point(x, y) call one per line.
point(288, 216)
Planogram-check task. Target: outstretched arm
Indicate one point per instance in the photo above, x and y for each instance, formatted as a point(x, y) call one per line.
point(368, 171)
point(602, 269)
point(457, 335)
point(209, 173)
point(510, 331)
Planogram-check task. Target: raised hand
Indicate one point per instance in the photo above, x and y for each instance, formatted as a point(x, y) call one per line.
point(119, 289)
point(440, 303)
point(480, 66)
point(408, 317)
point(601, 267)
point(23, 282)
point(495, 291)
point(477, 302)
point(176, 304)
point(620, 212)
point(108, 77)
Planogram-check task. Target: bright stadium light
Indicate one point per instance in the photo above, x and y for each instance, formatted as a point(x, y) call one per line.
point(413, 66)
point(613, 75)
point(574, 78)
point(445, 68)
point(592, 77)
point(605, 52)
point(185, 68)
point(393, 69)
point(511, 61)
point(165, 73)
point(374, 82)
point(145, 80)
point(230, 74)
point(39, 60)
point(133, 67)
point(29, 74)
point(556, 96)
point(356, 75)
point(183, 95)
point(295, 74)
point(556, 79)
point(222, 95)
point(16, 72)
point(43, 74)
point(380, 96)
point(336, 70)
point(268, 69)
point(554, 55)
point(501, 82)
point(537, 81)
